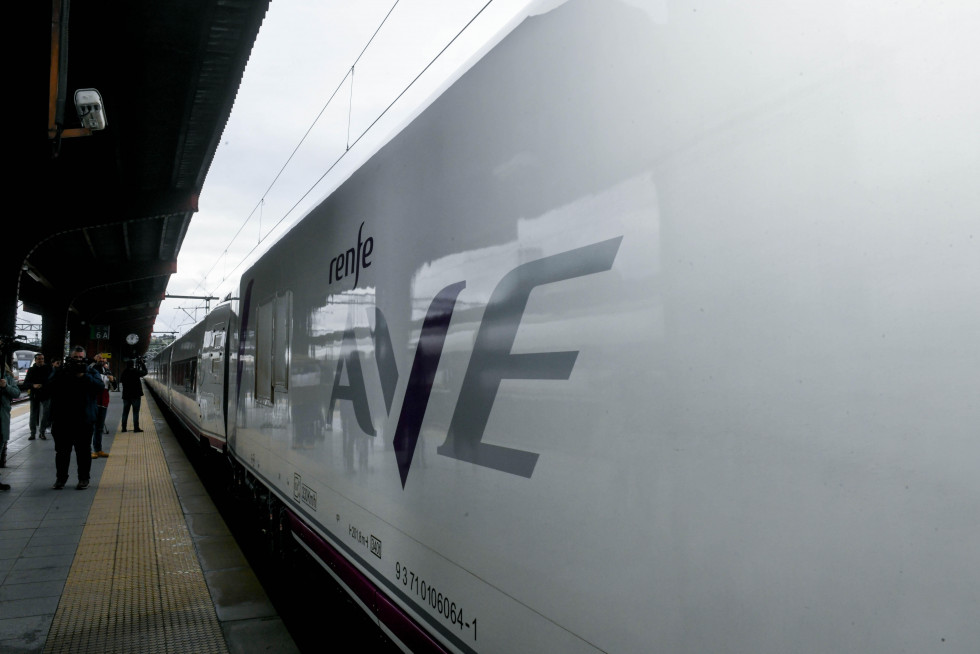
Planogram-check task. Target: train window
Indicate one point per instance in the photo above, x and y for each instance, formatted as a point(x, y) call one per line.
point(185, 376)
point(219, 336)
point(214, 338)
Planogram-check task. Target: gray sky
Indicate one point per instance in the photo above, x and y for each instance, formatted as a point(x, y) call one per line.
point(304, 53)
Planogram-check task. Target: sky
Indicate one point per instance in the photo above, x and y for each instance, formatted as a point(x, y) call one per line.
point(304, 55)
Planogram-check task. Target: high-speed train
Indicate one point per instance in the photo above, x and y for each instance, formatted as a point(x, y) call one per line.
point(657, 331)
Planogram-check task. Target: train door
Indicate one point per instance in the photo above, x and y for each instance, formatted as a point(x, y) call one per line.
point(165, 370)
point(228, 402)
point(211, 379)
point(272, 357)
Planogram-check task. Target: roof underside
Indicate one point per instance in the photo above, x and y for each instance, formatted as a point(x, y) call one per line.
point(102, 232)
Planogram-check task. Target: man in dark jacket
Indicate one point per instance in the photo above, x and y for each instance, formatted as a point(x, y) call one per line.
point(73, 389)
point(35, 382)
point(132, 392)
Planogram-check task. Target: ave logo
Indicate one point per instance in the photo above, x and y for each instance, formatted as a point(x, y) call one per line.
point(490, 363)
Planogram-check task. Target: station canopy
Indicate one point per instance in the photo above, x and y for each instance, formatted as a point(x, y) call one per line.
point(98, 216)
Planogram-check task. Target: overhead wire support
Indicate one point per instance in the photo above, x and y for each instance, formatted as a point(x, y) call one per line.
point(350, 107)
point(350, 73)
point(259, 204)
point(357, 140)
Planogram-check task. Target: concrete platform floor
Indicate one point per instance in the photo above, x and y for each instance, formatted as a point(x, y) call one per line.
point(139, 561)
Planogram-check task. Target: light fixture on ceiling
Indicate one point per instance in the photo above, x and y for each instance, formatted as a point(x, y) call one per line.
point(91, 111)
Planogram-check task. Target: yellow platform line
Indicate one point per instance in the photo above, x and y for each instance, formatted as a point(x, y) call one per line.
point(135, 584)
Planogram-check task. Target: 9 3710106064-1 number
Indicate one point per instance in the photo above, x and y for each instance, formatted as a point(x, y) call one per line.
point(434, 598)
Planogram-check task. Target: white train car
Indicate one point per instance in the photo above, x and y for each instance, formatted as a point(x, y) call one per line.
point(656, 332)
point(191, 376)
point(23, 359)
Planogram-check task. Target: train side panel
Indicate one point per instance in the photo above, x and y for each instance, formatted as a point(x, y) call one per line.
point(191, 376)
point(212, 375)
point(185, 364)
point(655, 332)
point(158, 377)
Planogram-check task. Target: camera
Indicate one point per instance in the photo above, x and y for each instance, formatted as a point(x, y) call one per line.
point(73, 365)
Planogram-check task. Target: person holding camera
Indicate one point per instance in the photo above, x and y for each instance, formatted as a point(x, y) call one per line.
point(132, 392)
point(102, 370)
point(74, 390)
point(8, 392)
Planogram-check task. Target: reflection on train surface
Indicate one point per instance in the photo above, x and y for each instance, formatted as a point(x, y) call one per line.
point(656, 331)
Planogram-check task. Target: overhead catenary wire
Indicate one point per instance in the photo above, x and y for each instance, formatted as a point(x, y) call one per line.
point(275, 179)
point(333, 165)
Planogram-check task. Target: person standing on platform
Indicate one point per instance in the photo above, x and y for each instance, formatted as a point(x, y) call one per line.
point(132, 391)
point(8, 392)
point(74, 390)
point(35, 381)
point(100, 369)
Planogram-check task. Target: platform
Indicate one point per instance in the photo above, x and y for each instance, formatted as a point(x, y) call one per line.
point(140, 561)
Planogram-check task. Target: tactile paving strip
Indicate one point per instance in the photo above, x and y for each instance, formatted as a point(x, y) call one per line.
point(135, 584)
